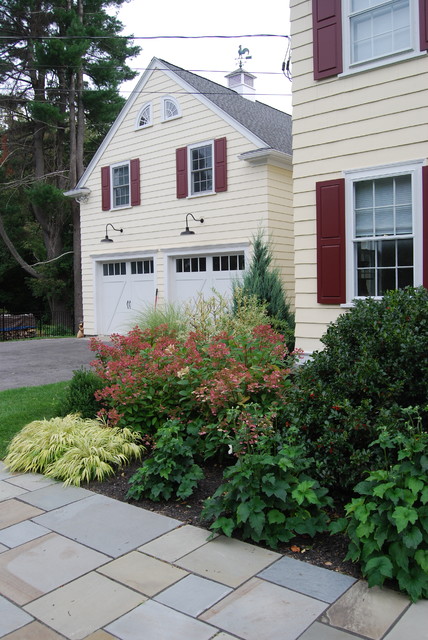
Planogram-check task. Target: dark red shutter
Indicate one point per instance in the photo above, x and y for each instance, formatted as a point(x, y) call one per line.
point(327, 36)
point(135, 182)
point(105, 188)
point(181, 171)
point(220, 159)
point(331, 267)
point(425, 226)
point(423, 24)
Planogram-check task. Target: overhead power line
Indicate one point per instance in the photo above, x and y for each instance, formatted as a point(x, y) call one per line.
point(93, 37)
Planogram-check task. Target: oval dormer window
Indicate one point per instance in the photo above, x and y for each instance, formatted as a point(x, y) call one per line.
point(145, 116)
point(171, 109)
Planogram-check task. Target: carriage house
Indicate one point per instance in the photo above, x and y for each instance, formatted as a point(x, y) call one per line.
point(183, 149)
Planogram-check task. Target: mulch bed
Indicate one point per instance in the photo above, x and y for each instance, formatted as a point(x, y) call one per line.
point(324, 550)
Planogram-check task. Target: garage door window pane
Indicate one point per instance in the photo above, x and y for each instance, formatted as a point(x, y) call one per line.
point(186, 265)
point(202, 264)
point(216, 263)
point(114, 269)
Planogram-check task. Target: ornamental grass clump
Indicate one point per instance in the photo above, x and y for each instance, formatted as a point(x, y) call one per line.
point(72, 449)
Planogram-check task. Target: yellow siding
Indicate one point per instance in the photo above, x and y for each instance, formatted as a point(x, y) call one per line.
point(356, 121)
point(230, 217)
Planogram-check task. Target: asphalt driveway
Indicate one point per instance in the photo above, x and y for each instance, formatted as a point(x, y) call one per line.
point(29, 363)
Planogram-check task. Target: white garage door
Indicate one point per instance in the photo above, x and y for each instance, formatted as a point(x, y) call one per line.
point(203, 273)
point(124, 289)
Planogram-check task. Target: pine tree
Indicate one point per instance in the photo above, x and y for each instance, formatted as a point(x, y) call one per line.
point(62, 63)
point(264, 281)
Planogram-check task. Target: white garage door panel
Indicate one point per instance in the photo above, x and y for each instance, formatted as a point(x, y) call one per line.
point(203, 274)
point(122, 295)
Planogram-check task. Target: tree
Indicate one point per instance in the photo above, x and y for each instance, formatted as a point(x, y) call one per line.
point(264, 281)
point(61, 65)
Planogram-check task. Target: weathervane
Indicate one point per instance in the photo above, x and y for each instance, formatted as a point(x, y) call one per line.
point(242, 56)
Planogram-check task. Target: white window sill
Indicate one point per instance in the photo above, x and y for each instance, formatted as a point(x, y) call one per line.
point(380, 62)
point(201, 195)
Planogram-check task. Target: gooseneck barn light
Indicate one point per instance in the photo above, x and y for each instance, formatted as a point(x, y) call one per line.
point(106, 238)
point(187, 231)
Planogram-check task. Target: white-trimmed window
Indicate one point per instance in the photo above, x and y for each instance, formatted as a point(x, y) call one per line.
point(170, 108)
point(378, 31)
point(144, 118)
point(201, 165)
point(120, 185)
point(384, 229)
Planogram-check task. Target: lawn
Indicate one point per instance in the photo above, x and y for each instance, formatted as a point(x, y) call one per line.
point(18, 407)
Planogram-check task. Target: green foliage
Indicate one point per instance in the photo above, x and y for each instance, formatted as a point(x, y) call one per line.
point(168, 317)
point(18, 407)
point(373, 367)
point(268, 497)
point(171, 471)
point(388, 524)
point(264, 282)
point(72, 449)
point(80, 395)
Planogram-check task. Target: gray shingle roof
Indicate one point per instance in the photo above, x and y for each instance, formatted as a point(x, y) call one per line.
point(269, 124)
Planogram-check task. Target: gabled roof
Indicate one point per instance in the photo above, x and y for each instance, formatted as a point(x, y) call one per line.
point(269, 124)
point(267, 127)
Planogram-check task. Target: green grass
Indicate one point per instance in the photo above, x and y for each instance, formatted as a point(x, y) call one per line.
point(18, 407)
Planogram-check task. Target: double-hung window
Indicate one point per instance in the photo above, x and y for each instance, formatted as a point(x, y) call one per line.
point(379, 28)
point(201, 168)
point(356, 35)
point(384, 230)
point(120, 185)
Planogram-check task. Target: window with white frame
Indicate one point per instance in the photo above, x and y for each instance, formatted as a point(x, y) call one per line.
point(201, 165)
point(386, 250)
point(120, 184)
point(379, 30)
point(144, 118)
point(171, 109)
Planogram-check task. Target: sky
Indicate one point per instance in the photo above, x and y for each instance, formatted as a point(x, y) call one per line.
point(213, 58)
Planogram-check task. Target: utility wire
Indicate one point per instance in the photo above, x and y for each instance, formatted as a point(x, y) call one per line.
point(94, 37)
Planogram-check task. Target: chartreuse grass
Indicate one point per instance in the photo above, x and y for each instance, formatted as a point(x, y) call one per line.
point(18, 407)
point(72, 449)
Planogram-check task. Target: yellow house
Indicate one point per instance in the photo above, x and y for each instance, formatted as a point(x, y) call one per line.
point(188, 173)
point(360, 148)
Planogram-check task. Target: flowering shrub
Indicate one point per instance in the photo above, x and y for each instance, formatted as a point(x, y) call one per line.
point(153, 376)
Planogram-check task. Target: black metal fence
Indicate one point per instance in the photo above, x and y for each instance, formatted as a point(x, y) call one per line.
point(22, 326)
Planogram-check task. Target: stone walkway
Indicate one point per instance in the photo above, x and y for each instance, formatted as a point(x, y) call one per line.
point(78, 565)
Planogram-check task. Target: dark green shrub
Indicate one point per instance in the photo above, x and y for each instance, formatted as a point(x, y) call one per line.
point(80, 395)
point(388, 524)
point(268, 497)
point(170, 471)
point(374, 365)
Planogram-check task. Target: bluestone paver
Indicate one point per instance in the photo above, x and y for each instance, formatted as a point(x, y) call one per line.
point(84, 605)
point(228, 561)
point(159, 623)
point(39, 566)
point(177, 543)
point(364, 611)
point(193, 595)
point(413, 625)
point(31, 481)
point(8, 490)
point(308, 579)
point(34, 631)
point(260, 609)
point(318, 631)
point(11, 617)
point(21, 533)
point(54, 496)
point(107, 525)
point(143, 573)
point(13, 511)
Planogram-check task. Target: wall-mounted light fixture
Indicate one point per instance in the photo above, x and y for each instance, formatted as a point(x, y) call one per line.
point(187, 231)
point(107, 239)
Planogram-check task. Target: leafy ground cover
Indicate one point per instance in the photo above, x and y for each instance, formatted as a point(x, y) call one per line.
point(257, 447)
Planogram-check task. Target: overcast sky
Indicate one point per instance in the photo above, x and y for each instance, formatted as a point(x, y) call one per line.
point(213, 58)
